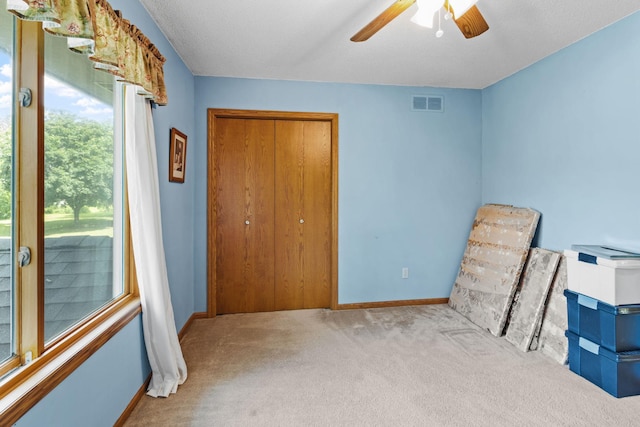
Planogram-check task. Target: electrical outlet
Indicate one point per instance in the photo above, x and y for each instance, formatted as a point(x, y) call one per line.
point(405, 272)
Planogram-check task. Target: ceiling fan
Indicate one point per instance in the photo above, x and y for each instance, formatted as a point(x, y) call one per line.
point(466, 15)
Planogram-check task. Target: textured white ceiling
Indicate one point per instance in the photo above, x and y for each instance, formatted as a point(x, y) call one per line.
point(309, 40)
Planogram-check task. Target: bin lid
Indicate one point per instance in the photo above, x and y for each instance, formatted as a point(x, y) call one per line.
point(622, 357)
point(594, 304)
point(606, 252)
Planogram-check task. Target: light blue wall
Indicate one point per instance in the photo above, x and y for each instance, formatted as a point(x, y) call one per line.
point(98, 392)
point(176, 199)
point(563, 137)
point(560, 136)
point(409, 182)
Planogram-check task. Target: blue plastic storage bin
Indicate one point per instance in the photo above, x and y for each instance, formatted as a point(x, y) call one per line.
point(616, 373)
point(617, 328)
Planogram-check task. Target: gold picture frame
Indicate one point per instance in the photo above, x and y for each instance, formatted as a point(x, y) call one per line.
point(177, 156)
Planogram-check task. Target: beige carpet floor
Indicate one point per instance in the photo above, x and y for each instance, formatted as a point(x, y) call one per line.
point(408, 366)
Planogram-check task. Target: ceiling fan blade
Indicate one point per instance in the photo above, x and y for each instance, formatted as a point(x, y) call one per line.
point(472, 23)
point(383, 19)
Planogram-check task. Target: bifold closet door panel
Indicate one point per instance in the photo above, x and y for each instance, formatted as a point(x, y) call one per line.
point(303, 214)
point(244, 151)
point(289, 277)
point(259, 199)
point(317, 214)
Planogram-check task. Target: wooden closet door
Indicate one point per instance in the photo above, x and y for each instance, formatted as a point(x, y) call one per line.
point(303, 214)
point(244, 173)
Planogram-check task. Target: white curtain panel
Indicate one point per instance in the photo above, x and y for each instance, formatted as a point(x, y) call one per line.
point(161, 339)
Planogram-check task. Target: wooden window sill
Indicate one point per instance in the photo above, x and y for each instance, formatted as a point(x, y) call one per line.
point(27, 385)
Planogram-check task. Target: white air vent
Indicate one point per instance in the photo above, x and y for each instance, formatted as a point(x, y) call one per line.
point(434, 103)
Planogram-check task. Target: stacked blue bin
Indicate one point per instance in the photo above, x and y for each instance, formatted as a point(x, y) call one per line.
point(604, 340)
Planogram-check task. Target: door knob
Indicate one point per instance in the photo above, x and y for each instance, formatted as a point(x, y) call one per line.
point(247, 222)
point(302, 221)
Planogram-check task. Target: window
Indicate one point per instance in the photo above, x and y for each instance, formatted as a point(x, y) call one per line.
point(7, 348)
point(61, 195)
point(80, 164)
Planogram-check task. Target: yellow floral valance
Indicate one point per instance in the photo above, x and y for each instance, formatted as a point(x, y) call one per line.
point(93, 28)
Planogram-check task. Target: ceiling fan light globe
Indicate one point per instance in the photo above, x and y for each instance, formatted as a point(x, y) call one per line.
point(460, 7)
point(426, 12)
point(422, 19)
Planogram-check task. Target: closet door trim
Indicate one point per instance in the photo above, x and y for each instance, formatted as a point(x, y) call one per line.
point(213, 115)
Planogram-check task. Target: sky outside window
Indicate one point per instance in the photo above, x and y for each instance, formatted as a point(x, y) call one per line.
point(60, 96)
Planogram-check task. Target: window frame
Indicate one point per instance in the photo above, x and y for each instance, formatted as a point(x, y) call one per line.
point(23, 385)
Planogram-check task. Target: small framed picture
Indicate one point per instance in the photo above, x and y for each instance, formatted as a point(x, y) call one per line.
point(177, 156)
